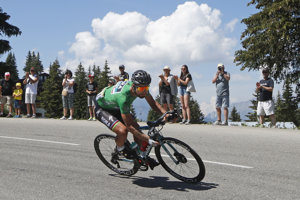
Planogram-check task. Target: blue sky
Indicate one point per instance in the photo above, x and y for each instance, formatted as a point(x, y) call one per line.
point(139, 34)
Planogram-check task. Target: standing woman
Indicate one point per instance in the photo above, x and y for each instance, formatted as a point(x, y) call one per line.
point(182, 82)
point(68, 95)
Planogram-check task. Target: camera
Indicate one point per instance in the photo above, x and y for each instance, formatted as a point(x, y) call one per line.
point(220, 68)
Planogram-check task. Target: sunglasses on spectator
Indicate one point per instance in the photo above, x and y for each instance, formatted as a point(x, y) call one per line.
point(265, 72)
point(142, 89)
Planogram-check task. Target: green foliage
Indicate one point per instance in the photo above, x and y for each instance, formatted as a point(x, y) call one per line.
point(104, 76)
point(8, 30)
point(252, 116)
point(197, 117)
point(80, 100)
point(33, 60)
point(9, 66)
point(235, 116)
point(272, 39)
point(50, 97)
point(153, 115)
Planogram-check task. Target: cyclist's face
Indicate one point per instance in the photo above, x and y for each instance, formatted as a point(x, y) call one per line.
point(142, 91)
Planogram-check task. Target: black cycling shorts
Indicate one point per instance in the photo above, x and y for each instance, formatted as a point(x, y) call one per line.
point(109, 118)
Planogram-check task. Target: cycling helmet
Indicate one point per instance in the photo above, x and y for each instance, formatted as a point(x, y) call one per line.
point(141, 77)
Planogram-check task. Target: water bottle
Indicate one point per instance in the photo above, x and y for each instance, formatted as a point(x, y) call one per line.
point(133, 145)
point(144, 146)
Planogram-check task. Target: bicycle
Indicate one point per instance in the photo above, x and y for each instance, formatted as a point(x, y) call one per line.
point(170, 153)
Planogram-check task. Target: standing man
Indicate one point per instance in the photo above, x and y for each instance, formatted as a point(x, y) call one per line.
point(167, 89)
point(265, 104)
point(123, 76)
point(222, 84)
point(91, 90)
point(6, 90)
point(31, 81)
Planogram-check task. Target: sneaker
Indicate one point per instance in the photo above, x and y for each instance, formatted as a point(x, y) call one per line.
point(217, 122)
point(9, 116)
point(16, 116)
point(19, 116)
point(90, 119)
point(187, 122)
point(225, 123)
point(152, 163)
point(70, 118)
point(63, 118)
point(94, 118)
point(182, 122)
point(273, 126)
point(27, 116)
point(126, 152)
point(1, 115)
point(33, 116)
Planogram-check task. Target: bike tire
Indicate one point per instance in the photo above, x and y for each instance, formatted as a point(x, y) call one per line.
point(193, 165)
point(104, 145)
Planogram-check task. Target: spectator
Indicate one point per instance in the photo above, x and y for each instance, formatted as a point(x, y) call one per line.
point(91, 90)
point(111, 81)
point(183, 82)
point(6, 90)
point(17, 94)
point(222, 84)
point(68, 95)
point(167, 89)
point(265, 104)
point(123, 76)
point(31, 81)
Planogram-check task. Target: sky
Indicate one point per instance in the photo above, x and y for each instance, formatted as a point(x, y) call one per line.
point(140, 34)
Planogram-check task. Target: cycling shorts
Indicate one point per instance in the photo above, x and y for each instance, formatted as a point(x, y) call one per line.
point(109, 118)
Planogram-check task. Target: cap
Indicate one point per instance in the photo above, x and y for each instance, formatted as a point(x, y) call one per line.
point(122, 66)
point(18, 84)
point(7, 74)
point(220, 65)
point(167, 68)
point(91, 75)
point(265, 69)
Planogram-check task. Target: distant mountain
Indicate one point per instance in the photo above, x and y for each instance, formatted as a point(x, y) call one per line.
point(242, 108)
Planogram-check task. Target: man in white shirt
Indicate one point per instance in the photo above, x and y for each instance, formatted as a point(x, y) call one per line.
point(31, 81)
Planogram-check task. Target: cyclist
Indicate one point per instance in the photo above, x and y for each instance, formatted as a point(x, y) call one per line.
point(113, 110)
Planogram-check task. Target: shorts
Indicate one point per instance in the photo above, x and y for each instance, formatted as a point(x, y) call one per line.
point(68, 100)
point(222, 101)
point(91, 100)
point(166, 98)
point(182, 91)
point(265, 108)
point(30, 98)
point(109, 118)
point(18, 103)
point(6, 100)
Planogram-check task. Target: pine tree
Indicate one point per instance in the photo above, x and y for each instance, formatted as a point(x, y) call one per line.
point(272, 39)
point(12, 67)
point(197, 117)
point(234, 116)
point(153, 115)
point(8, 30)
point(33, 60)
point(279, 108)
point(80, 100)
point(289, 110)
point(252, 116)
point(50, 97)
point(104, 77)
point(97, 72)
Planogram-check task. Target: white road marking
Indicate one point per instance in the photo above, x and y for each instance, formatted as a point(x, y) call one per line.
point(217, 163)
point(35, 140)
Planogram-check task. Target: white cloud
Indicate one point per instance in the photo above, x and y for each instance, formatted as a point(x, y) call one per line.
point(207, 108)
point(190, 35)
point(240, 77)
point(231, 25)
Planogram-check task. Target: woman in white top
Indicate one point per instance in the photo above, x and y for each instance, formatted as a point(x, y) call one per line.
point(68, 95)
point(31, 81)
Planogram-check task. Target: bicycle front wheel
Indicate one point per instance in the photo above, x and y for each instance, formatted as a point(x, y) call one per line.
point(180, 160)
point(105, 148)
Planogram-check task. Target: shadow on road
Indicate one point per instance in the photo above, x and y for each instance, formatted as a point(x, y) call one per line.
point(165, 183)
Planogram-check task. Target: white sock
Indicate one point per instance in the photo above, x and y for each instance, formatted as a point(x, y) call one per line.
point(120, 148)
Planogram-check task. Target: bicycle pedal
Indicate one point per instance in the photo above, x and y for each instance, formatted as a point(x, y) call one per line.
point(143, 168)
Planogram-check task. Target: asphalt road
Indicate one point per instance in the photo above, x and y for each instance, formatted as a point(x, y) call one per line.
point(53, 159)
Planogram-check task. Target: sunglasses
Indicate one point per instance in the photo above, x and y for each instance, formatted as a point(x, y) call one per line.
point(265, 72)
point(142, 89)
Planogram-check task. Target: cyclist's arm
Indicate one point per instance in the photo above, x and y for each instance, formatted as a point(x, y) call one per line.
point(154, 104)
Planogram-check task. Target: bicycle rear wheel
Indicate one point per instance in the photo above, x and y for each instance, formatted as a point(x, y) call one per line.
point(180, 160)
point(105, 148)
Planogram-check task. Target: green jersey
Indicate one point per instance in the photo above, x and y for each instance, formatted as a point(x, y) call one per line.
point(117, 97)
